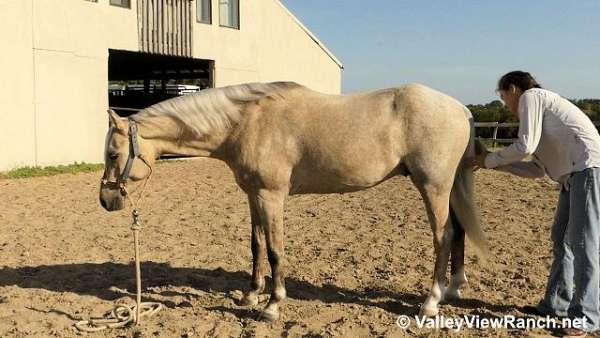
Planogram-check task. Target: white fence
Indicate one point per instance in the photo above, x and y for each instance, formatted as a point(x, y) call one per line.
point(497, 125)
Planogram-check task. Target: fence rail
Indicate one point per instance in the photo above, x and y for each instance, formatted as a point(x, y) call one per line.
point(497, 125)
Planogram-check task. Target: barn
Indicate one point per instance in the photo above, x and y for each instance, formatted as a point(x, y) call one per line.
point(66, 61)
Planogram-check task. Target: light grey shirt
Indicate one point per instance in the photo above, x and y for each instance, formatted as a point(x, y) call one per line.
point(558, 135)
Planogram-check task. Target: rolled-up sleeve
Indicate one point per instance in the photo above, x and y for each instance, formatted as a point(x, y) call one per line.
point(531, 113)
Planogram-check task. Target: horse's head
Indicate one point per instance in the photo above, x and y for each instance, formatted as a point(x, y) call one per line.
point(127, 156)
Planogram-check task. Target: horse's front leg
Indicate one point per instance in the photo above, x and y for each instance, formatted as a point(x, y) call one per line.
point(270, 206)
point(257, 285)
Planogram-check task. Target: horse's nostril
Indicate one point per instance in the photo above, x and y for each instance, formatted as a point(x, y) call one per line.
point(103, 203)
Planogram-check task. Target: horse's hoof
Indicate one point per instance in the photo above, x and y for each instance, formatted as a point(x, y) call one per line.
point(249, 300)
point(269, 315)
point(428, 311)
point(452, 295)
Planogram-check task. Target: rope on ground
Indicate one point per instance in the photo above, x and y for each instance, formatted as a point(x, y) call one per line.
point(123, 315)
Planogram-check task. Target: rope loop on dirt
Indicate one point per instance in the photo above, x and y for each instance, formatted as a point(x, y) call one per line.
point(120, 316)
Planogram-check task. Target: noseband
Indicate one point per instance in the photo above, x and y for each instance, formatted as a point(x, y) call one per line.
point(134, 152)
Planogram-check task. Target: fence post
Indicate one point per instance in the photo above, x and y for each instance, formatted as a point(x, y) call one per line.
point(495, 135)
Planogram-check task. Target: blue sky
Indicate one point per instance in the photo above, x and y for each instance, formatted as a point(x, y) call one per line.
point(460, 47)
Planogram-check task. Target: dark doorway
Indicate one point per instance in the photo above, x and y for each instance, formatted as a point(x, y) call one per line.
point(138, 80)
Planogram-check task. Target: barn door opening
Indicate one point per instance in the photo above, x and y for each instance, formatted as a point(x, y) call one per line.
point(138, 80)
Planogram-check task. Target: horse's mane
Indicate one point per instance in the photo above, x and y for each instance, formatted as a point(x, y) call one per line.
point(211, 109)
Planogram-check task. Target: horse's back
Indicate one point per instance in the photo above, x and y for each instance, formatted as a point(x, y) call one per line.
point(398, 118)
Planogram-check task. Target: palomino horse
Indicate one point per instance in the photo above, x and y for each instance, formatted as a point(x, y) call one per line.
point(282, 138)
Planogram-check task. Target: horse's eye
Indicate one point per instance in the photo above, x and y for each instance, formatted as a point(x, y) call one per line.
point(113, 156)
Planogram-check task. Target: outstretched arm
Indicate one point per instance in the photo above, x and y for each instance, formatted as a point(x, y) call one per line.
point(527, 169)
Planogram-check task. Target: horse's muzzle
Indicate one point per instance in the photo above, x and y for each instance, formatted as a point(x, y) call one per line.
point(111, 200)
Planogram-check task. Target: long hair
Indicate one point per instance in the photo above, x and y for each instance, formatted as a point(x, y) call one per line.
point(520, 79)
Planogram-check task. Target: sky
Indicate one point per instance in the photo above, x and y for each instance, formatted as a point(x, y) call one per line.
point(460, 47)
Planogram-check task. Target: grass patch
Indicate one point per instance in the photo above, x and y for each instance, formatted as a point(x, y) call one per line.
point(26, 172)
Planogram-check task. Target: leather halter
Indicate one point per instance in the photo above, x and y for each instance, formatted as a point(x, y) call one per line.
point(134, 152)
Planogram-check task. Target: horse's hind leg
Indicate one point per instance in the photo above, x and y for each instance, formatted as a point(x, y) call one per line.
point(457, 261)
point(270, 205)
point(257, 284)
point(437, 198)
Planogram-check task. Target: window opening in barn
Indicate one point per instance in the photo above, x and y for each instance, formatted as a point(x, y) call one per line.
point(229, 13)
point(121, 3)
point(204, 11)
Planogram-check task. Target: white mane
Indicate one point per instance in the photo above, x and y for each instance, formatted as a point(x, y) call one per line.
point(211, 109)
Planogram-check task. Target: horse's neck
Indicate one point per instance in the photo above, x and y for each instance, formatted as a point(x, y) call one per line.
point(169, 137)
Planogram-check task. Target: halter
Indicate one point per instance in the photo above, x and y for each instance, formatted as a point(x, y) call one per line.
point(134, 152)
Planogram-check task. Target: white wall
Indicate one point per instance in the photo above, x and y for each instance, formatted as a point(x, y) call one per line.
point(71, 41)
point(55, 69)
point(55, 77)
point(270, 46)
point(17, 117)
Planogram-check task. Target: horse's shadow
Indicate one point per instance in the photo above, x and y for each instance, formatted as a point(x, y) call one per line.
point(107, 280)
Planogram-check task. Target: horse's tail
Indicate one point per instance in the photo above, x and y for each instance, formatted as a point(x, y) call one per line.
point(462, 202)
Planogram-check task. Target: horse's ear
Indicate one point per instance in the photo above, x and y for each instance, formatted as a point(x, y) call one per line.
point(115, 120)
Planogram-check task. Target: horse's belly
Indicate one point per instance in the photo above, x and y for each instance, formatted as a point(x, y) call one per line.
point(324, 187)
point(314, 180)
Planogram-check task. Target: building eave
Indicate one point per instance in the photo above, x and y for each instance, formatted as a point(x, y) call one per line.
point(311, 35)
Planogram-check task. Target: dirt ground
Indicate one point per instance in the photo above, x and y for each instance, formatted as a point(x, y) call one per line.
point(355, 261)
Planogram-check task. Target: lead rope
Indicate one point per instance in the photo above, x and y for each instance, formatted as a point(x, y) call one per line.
point(122, 315)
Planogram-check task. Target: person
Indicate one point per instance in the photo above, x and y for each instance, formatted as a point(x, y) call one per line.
point(557, 138)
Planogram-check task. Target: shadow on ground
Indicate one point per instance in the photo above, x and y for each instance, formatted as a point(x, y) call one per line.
point(103, 280)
